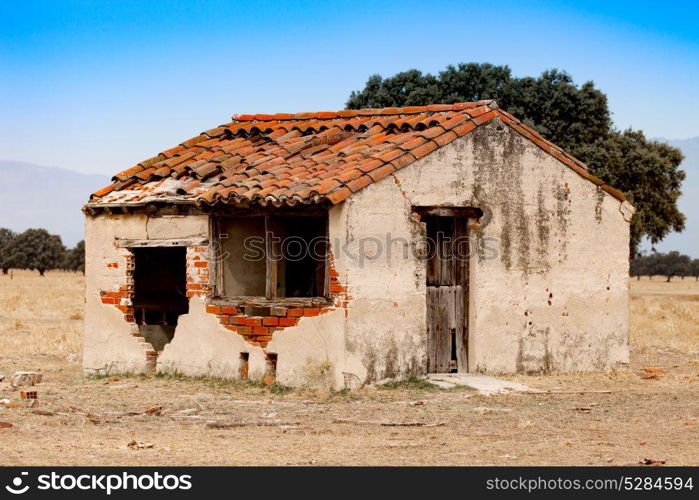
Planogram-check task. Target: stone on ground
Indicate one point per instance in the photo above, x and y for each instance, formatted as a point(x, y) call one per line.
point(26, 378)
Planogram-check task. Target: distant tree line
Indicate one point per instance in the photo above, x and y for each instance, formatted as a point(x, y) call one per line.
point(669, 264)
point(38, 250)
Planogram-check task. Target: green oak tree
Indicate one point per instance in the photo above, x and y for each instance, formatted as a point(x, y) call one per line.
point(35, 249)
point(5, 237)
point(694, 269)
point(74, 258)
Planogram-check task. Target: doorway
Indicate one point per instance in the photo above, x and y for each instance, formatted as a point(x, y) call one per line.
point(447, 291)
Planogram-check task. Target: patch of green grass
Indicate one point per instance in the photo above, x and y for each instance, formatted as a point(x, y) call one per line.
point(103, 376)
point(421, 384)
point(412, 384)
point(211, 382)
point(344, 395)
point(279, 389)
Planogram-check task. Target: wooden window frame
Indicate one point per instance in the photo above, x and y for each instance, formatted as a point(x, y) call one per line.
point(271, 297)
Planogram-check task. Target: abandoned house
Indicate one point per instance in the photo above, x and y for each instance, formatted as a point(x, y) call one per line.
point(356, 247)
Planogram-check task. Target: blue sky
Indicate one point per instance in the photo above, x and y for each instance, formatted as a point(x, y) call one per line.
point(97, 86)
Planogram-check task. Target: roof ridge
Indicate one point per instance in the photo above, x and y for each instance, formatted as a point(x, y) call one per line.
point(351, 113)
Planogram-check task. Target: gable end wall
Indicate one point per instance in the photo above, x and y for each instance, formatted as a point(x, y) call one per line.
point(549, 284)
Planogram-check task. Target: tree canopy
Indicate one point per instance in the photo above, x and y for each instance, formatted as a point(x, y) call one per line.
point(574, 117)
point(38, 250)
point(34, 249)
point(669, 264)
point(74, 258)
point(5, 237)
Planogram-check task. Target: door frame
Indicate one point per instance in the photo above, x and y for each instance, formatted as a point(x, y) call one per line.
point(465, 358)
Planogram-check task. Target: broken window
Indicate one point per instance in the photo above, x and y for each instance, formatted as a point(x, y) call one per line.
point(243, 263)
point(160, 294)
point(272, 256)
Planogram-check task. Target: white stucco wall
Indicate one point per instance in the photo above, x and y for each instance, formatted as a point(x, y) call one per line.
point(203, 347)
point(553, 298)
point(109, 345)
point(310, 353)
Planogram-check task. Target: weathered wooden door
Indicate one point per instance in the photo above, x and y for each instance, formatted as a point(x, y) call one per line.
point(447, 294)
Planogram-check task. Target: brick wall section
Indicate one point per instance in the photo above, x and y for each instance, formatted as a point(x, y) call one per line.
point(258, 330)
point(198, 283)
point(122, 299)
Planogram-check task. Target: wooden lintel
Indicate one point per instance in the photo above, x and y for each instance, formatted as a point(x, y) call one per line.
point(277, 302)
point(470, 212)
point(173, 242)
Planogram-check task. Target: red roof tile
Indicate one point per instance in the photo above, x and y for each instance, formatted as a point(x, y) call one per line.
point(286, 159)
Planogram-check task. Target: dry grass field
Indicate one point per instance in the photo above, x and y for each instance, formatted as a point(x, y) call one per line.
point(591, 419)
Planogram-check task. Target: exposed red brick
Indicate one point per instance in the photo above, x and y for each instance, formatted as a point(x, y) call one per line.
point(237, 320)
point(278, 311)
point(287, 321)
point(270, 321)
point(337, 288)
point(252, 321)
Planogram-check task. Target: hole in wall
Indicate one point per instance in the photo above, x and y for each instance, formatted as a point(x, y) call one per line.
point(244, 365)
point(256, 311)
point(160, 294)
point(270, 368)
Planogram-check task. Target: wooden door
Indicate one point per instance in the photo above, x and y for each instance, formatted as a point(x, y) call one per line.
point(447, 294)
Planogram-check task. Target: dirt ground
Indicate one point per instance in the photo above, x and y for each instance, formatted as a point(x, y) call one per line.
point(590, 419)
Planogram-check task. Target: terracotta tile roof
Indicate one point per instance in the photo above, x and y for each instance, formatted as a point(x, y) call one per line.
point(307, 158)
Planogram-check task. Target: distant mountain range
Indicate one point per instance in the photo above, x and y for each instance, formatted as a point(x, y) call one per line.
point(49, 197)
point(32, 196)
